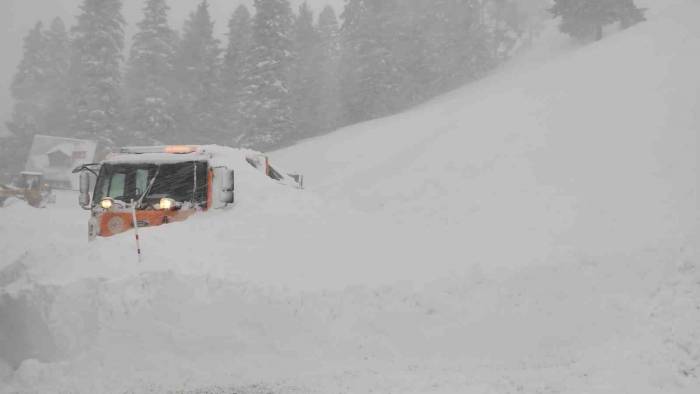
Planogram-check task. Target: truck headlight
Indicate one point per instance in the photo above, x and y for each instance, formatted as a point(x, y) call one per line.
point(166, 204)
point(106, 203)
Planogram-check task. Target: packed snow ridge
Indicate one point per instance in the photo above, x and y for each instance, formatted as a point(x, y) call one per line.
point(534, 232)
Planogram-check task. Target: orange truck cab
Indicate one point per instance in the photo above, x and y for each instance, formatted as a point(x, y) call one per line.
point(154, 185)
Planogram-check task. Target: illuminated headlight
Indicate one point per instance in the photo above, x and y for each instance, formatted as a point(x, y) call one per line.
point(106, 203)
point(166, 204)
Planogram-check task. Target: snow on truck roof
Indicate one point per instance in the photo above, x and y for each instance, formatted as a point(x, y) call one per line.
point(160, 154)
point(216, 155)
point(155, 158)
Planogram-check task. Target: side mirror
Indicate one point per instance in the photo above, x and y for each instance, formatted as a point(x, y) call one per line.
point(228, 185)
point(84, 198)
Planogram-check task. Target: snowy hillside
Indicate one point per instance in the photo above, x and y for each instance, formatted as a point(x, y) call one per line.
point(535, 232)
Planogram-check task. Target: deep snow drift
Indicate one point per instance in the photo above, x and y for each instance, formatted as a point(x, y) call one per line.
point(534, 232)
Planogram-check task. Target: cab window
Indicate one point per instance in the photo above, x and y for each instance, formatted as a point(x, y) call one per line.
point(116, 185)
point(141, 180)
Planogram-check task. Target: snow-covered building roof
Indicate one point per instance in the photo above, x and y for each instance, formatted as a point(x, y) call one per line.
point(65, 148)
point(70, 152)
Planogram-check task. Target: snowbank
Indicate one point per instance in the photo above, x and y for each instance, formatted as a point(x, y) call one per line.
point(534, 232)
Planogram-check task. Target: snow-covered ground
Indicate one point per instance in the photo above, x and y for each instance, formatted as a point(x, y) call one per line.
point(536, 232)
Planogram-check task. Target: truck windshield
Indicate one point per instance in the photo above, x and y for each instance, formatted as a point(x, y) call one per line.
point(182, 182)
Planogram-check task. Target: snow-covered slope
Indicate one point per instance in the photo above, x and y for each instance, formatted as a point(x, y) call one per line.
point(534, 232)
point(595, 150)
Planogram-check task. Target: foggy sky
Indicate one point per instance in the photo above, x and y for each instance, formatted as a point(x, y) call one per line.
point(18, 16)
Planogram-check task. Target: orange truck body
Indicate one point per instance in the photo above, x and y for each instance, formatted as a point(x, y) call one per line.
point(113, 223)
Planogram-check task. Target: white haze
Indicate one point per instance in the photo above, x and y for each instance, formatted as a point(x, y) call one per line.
point(18, 16)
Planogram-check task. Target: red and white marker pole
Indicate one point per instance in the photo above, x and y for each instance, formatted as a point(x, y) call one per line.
point(136, 229)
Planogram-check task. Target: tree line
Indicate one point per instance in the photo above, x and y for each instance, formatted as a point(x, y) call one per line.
point(281, 76)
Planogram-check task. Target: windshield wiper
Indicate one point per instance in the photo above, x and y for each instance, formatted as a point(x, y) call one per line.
point(148, 189)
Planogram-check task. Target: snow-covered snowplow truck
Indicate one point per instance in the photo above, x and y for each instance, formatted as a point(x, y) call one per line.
point(156, 185)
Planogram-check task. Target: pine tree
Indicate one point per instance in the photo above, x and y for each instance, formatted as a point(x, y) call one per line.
point(28, 90)
point(305, 84)
point(29, 86)
point(329, 34)
point(398, 53)
point(409, 48)
point(352, 45)
point(268, 111)
point(504, 27)
point(585, 19)
point(198, 72)
point(98, 41)
point(457, 47)
point(150, 77)
point(372, 73)
point(39, 90)
point(236, 65)
point(57, 116)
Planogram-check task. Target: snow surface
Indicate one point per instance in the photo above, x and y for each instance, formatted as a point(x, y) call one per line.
point(536, 232)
